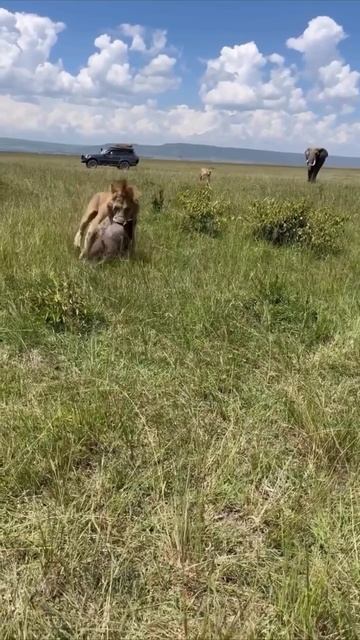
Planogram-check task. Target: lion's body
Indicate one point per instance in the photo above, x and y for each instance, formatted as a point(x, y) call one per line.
point(205, 174)
point(119, 203)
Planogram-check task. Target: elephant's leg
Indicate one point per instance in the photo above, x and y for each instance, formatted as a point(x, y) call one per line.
point(314, 175)
point(318, 166)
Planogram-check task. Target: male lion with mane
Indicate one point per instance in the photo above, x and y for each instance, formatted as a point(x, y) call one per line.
point(109, 220)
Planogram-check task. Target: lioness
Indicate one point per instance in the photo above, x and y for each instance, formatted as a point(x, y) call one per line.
point(119, 203)
point(205, 174)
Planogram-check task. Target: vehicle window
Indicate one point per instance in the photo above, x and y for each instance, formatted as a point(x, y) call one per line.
point(116, 152)
point(123, 152)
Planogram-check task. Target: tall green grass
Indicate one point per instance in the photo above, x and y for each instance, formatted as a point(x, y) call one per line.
point(179, 434)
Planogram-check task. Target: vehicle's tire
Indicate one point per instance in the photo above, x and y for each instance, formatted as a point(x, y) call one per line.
point(124, 165)
point(92, 163)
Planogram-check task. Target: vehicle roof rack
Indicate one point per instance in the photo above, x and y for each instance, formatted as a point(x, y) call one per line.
point(121, 146)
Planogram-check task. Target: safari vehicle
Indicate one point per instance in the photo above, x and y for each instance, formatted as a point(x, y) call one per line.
point(121, 156)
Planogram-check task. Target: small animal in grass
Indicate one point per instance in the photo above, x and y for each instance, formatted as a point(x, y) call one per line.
point(205, 175)
point(114, 240)
point(157, 202)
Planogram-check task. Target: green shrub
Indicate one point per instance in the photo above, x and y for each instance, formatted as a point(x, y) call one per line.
point(297, 222)
point(325, 230)
point(202, 212)
point(61, 304)
point(157, 202)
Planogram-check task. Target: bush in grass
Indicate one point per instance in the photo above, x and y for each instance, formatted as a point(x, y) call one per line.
point(325, 230)
point(202, 212)
point(61, 304)
point(157, 202)
point(297, 222)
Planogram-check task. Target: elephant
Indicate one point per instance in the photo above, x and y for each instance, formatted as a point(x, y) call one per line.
point(315, 158)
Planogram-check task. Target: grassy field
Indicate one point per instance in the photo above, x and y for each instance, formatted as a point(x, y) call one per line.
point(182, 460)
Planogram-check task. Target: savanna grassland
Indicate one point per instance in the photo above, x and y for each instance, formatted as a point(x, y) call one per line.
point(179, 434)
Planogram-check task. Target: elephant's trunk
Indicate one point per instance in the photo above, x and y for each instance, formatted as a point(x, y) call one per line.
point(311, 157)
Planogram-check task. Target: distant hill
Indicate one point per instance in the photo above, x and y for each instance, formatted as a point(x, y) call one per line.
point(179, 151)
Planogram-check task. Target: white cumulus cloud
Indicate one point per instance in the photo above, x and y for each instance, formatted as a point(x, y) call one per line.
point(319, 41)
point(26, 42)
point(138, 36)
point(247, 96)
point(243, 78)
point(147, 123)
point(319, 45)
point(338, 81)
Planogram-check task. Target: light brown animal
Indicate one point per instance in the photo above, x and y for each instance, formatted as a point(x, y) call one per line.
point(205, 174)
point(114, 239)
point(120, 202)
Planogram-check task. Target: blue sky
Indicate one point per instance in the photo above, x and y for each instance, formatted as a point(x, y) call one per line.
point(257, 74)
